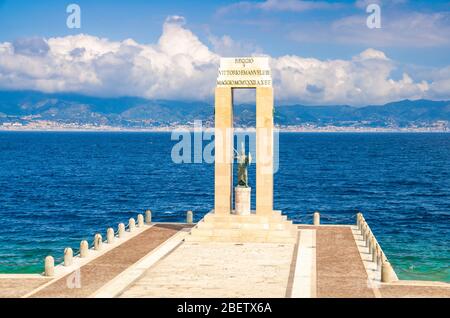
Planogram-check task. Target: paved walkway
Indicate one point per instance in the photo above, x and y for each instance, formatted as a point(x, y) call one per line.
point(218, 270)
point(340, 270)
point(19, 285)
point(104, 268)
point(325, 262)
point(410, 289)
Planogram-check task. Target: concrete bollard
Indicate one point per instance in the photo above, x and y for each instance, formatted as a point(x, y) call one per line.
point(316, 220)
point(387, 273)
point(374, 242)
point(358, 219)
point(84, 248)
point(131, 224)
point(383, 257)
point(110, 235)
point(121, 230)
point(375, 253)
point(189, 217)
point(140, 219)
point(98, 242)
point(148, 216)
point(373, 245)
point(68, 256)
point(366, 236)
point(379, 256)
point(49, 266)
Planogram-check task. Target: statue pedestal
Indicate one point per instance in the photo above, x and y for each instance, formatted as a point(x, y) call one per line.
point(242, 200)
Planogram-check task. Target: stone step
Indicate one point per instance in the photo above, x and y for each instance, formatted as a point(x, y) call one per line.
point(241, 225)
point(244, 228)
point(241, 240)
point(241, 232)
point(252, 218)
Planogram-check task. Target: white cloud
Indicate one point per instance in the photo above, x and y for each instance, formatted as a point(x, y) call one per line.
point(365, 79)
point(408, 29)
point(180, 66)
point(227, 47)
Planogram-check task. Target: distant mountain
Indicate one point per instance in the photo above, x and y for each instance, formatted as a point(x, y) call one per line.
point(27, 107)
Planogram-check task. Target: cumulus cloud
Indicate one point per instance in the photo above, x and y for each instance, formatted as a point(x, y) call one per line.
point(180, 66)
point(30, 46)
point(365, 79)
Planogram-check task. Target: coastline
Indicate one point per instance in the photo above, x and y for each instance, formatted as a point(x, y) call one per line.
point(192, 129)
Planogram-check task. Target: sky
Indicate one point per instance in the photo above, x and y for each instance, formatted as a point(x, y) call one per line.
point(322, 52)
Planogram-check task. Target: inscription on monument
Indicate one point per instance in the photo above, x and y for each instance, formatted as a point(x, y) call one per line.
point(247, 72)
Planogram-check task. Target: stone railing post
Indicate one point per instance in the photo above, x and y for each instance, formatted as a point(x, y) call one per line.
point(84, 248)
point(358, 220)
point(98, 242)
point(110, 235)
point(375, 253)
point(140, 219)
point(121, 230)
point(316, 219)
point(387, 273)
point(189, 217)
point(131, 224)
point(68, 256)
point(49, 266)
point(148, 216)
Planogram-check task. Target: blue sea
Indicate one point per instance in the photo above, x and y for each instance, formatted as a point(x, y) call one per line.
point(57, 188)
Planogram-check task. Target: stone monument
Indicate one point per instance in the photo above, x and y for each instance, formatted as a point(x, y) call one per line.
point(242, 192)
point(224, 224)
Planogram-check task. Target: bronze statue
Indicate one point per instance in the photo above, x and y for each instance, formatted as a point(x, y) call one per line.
point(243, 162)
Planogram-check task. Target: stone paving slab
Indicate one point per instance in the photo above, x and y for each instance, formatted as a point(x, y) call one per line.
point(340, 271)
point(18, 287)
point(101, 270)
point(218, 270)
point(398, 290)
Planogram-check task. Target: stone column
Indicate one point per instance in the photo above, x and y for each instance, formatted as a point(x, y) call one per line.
point(264, 150)
point(223, 168)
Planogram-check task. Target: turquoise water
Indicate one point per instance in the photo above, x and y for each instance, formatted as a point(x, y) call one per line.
point(60, 188)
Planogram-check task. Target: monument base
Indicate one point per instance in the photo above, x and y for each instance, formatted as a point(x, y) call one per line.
point(242, 200)
point(252, 228)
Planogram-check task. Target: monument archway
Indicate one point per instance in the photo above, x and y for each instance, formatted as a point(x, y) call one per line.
point(243, 73)
point(265, 225)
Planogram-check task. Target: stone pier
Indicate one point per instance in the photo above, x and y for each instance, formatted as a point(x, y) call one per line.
point(224, 223)
point(156, 260)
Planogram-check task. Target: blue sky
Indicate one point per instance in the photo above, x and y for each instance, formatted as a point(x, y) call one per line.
point(415, 35)
point(270, 30)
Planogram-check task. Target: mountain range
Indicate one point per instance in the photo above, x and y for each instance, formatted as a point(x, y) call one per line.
point(28, 107)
